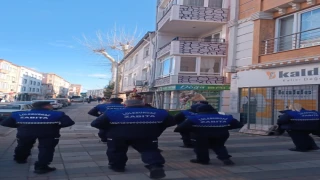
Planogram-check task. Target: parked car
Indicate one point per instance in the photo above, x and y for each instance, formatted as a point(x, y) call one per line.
point(55, 104)
point(63, 101)
point(77, 99)
point(7, 109)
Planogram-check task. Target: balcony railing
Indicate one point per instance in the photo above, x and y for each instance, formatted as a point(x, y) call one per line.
point(211, 10)
point(190, 79)
point(194, 46)
point(298, 40)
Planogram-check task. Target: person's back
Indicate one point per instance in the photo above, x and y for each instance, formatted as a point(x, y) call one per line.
point(40, 123)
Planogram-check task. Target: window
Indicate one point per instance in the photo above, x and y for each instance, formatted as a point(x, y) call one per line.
point(134, 79)
point(25, 81)
point(13, 78)
point(310, 28)
point(210, 66)
point(146, 51)
point(136, 59)
point(29, 89)
point(193, 3)
point(127, 66)
point(38, 83)
point(8, 77)
point(215, 3)
point(34, 83)
point(23, 89)
point(144, 74)
point(285, 33)
point(38, 90)
point(130, 80)
point(33, 89)
point(188, 64)
point(166, 67)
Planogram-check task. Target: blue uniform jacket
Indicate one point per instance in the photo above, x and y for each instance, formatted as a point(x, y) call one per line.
point(304, 120)
point(134, 123)
point(209, 125)
point(101, 108)
point(40, 123)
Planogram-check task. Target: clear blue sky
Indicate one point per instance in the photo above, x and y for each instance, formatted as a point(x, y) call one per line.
point(42, 34)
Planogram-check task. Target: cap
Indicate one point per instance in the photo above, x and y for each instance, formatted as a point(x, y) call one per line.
point(116, 99)
point(41, 104)
point(205, 108)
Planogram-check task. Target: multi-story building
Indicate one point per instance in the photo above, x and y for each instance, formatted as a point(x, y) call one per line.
point(191, 53)
point(60, 85)
point(9, 74)
point(274, 55)
point(95, 93)
point(136, 68)
point(30, 84)
point(75, 90)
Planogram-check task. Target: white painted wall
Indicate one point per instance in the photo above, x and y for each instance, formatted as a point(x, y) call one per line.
point(244, 44)
point(29, 75)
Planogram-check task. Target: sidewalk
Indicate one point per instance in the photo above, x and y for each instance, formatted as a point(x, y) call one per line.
point(79, 156)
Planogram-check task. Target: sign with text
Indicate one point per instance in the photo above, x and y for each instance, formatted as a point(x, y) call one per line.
point(291, 75)
point(195, 87)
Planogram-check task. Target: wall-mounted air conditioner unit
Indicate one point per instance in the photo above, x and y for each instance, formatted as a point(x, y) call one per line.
point(138, 83)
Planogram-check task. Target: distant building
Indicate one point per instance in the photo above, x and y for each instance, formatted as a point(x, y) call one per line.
point(95, 93)
point(8, 80)
point(75, 90)
point(29, 84)
point(60, 85)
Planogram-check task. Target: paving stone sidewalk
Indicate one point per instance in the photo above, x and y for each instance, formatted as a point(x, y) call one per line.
point(80, 156)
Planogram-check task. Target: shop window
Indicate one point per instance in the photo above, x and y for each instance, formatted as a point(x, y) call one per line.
point(210, 66)
point(188, 64)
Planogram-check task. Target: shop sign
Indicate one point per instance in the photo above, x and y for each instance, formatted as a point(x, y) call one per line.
point(291, 75)
point(195, 87)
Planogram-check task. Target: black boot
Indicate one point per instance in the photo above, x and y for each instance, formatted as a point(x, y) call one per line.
point(199, 162)
point(157, 173)
point(117, 169)
point(228, 162)
point(20, 161)
point(43, 169)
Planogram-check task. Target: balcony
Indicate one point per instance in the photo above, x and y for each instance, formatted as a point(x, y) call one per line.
point(193, 20)
point(190, 79)
point(299, 40)
point(194, 46)
point(293, 46)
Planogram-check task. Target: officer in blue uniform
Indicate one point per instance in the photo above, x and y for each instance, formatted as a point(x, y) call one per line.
point(135, 126)
point(299, 123)
point(181, 117)
point(210, 130)
point(115, 103)
point(40, 123)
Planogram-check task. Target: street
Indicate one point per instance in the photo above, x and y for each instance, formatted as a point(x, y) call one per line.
point(80, 156)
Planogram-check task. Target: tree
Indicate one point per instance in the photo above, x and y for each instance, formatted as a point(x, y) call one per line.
point(117, 39)
point(108, 90)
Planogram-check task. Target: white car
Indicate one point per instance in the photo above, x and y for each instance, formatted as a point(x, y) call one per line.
point(7, 109)
point(55, 104)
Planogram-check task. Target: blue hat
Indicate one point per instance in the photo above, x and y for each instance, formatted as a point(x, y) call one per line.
point(205, 108)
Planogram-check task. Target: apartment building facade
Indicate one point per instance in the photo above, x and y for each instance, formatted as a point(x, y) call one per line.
point(191, 53)
point(75, 90)
point(95, 93)
point(29, 84)
point(9, 75)
point(60, 85)
point(136, 69)
point(274, 58)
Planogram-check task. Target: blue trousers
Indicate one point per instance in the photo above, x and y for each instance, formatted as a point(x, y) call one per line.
point(202, 146)
point(102, 135)
point(46, 149)
point(186, 138)
point(302, 140)
point(148, 148)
